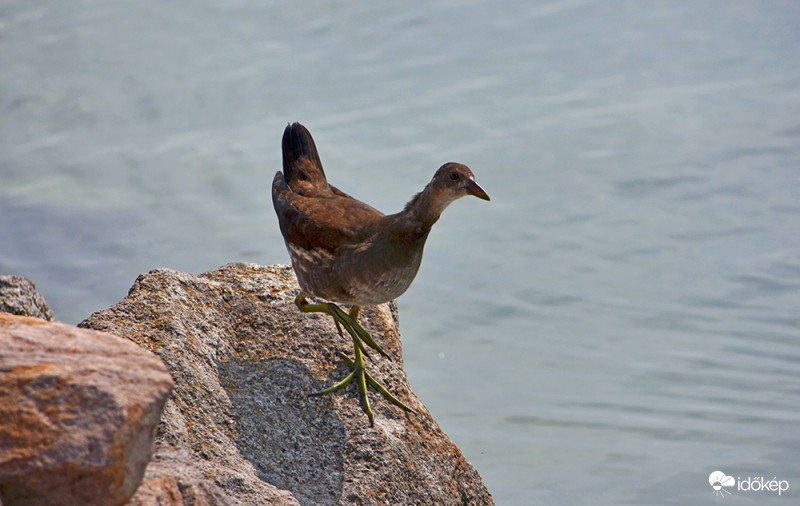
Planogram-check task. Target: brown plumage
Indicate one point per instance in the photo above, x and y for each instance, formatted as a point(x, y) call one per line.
point(344, 250)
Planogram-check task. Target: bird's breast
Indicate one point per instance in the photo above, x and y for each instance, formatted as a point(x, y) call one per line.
point(365, 274)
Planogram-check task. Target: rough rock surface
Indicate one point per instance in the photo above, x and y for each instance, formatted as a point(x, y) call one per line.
point(239, 427)
point(78, 412)
point(19, 296)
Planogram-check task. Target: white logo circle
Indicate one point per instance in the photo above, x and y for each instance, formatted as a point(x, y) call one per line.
point(718, 479)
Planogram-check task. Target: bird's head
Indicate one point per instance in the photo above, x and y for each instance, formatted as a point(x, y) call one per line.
point(453, 181)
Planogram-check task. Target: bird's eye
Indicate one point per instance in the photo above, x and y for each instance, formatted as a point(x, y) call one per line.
point(454, 176)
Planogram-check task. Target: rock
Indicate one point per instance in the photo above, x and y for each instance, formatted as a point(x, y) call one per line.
point(78, 412)
point(240, 428)
point(19, 296)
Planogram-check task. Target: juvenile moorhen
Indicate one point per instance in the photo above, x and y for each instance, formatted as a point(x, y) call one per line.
point(347, 252)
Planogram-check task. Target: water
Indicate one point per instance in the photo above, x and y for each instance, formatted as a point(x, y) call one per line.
point(620, 321)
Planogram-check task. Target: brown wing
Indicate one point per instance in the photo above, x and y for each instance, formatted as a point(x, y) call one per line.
point(326, 220)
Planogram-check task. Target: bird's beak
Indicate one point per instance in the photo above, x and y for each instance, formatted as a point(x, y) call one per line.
point(475, 189)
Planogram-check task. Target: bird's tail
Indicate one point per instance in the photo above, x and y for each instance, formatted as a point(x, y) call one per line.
point(300, 157)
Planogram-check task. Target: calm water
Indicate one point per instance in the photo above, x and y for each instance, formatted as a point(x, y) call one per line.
point(620, 321)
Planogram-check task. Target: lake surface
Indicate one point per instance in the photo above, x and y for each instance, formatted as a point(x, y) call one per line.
point(622, 319)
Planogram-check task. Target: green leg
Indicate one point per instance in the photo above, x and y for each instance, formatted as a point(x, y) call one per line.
point(340, 317)
point(359, 373)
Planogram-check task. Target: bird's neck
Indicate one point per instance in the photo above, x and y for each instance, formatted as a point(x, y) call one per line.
point(426, 207)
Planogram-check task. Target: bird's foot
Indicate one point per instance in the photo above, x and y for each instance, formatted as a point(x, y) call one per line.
point(363, 378)
point(359, 373)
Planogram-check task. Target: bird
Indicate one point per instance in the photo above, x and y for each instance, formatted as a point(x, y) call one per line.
point(346, 252)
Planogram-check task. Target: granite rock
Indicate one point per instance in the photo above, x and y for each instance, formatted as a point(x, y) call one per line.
point(78, 412)
point(19, 296)
point(240, 428)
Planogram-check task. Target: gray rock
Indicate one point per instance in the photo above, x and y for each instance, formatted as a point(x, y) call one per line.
point(239, 427)
point(78, 412)
point(19, 296)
